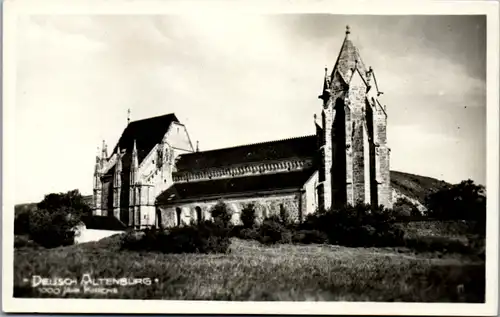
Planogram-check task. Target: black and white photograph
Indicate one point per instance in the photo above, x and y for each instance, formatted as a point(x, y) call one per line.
point(265, 157)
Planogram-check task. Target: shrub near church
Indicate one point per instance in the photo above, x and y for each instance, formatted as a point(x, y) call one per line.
point(209, 236)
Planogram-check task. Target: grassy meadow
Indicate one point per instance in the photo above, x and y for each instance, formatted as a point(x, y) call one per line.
point(255, 272)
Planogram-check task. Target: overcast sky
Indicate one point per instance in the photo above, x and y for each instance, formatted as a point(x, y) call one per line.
point(240, 79)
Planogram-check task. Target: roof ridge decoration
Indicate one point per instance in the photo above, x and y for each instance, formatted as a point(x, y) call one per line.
point(155, 117)
point(244, 170)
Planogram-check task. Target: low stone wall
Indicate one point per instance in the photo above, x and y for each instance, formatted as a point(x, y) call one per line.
point(89, 235)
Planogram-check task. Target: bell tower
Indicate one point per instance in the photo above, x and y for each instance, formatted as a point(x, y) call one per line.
point(354, 165)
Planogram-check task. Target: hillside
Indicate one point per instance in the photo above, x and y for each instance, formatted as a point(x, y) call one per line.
point(415, 187)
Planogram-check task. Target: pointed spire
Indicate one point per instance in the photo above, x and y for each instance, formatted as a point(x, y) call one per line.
point(104, 154)
point(197, 146)
point(315, 119)
point(326, 82)
point(325, 94)
point(348, 60)
point(369, 77)
point(97, 166)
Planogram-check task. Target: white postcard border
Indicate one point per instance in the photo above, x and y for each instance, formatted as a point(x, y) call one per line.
point(12, 9)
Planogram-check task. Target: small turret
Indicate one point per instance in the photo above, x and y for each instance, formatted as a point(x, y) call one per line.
point(104, 154)
point(325, 94)
point(96, 197)
point(118, 168)
point(134, 166)
point(135, 159)
point(117, 184)
point(97, 167)
point(134, 194)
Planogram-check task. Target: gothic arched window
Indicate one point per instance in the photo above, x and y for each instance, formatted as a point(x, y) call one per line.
point(178, 213)
point(323, 125)
point(199, 214)
point(264, 213)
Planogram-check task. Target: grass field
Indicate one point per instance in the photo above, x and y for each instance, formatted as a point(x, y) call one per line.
point(256, 272)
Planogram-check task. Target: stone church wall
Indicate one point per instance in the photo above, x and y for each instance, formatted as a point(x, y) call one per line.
point(310, 201)
point(265, 205)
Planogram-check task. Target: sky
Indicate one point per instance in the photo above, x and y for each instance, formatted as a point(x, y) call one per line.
point(239, 79)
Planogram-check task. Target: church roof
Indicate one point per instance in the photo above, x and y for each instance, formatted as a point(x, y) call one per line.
point(103, 223)
point(147, 133)
point(299, 147)
point(237, 185)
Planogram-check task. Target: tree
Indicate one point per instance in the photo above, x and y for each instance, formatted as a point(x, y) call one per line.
point(221, 214)
point(52, 224)
point(71, 200)
point(52, 229)
point(463, 201)
point(284, 216)
point(248, 216)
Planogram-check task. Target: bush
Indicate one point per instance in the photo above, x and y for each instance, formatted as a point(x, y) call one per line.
point(205, 237)
point(53, 223)
point(21, 241)
point(438, 244)
point(273, 231)
point(72, 200)
point(221, 214)
point(464, 201)
point(21, 223)
point(309, 237)
point(249, 234)
point(359, 226)
point(52, 229)
point(133, 240)
point(248, 216)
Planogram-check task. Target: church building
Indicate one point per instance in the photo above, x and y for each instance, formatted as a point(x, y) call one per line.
point(155, 177)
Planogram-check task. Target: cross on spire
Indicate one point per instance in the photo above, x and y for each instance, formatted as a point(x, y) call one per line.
point(347, 30)
point(128, 116)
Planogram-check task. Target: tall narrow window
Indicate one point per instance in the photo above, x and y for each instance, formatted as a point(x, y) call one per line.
point(159, 222)
point(178, 213)
point(323, 123)
point(199, 215)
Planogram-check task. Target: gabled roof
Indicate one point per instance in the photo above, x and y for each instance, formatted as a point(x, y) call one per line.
point(218, 188)
point(300, 147)
point(103, 223)
point(147, 133)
